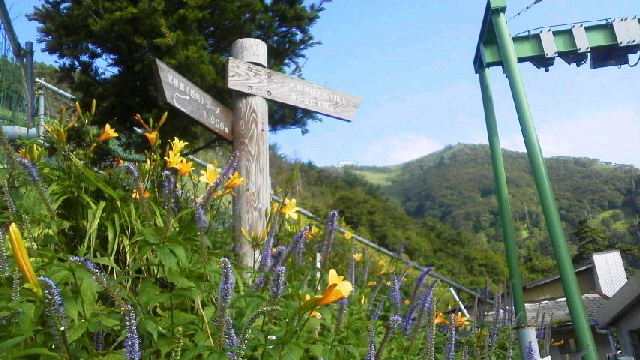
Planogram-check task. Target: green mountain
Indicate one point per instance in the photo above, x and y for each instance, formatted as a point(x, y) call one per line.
point(455, 186)
point(369, 212)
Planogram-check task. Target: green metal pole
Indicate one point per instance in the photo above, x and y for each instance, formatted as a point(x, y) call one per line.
point(545, 192)
point(525, 333)
point(500, 180)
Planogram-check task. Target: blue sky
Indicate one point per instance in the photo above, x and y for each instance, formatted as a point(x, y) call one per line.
point(411, 63)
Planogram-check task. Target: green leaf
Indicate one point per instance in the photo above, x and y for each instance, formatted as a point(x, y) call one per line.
point(293, 352)
point(196, 351)
point(34, 351)
point(11, 342)
point(316, 350)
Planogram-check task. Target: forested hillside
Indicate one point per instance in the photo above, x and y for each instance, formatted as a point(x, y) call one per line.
point(599, 202)
point(370, 213)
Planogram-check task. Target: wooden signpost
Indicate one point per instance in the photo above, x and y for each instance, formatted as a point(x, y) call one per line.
point(248, 125)
point(256, 80)
point(188, 98)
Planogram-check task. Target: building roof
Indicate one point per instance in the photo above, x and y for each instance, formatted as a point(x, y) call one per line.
point(560, 310)
point(556, 277)
point(620, 302)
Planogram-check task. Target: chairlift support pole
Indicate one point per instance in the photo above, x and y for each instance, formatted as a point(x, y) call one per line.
point(610, 44)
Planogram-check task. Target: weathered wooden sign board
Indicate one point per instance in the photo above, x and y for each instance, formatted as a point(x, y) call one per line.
point(188, 98)
point(257, 80)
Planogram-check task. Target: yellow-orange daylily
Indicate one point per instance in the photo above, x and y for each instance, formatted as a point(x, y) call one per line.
point(234, 181)
point(107, 133)
point(140, 194)
point(152, 136)
point(372, 283)
point(313, 232)
point(173, 159)
point(261, 235)
point(461, 320)
point(177, 145)
point(184, 167)
point(439, 319)
point(348, 235)
point(210, 175)
point(337, 288)
point(316, 315)
point(22, 258)
point(289, 209)
point(357, 257)
point(406, 302)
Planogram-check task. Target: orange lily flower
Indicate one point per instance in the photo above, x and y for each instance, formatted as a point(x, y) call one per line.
point(184, 167)
point(234, 181)
point(461, 320)
point(439, 319)
point(152, 137)
point(107, 133)
point(140, 194)
point(316, 315)
point(337, 288)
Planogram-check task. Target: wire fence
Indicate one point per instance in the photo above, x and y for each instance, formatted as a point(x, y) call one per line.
point(13, 87)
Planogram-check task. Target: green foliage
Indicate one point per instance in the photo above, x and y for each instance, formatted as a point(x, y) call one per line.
point(130, 264)
point(111, 44)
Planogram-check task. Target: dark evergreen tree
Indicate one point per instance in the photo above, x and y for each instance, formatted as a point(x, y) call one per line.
point(105, 48)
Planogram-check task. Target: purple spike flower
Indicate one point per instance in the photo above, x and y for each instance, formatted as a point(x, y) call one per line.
point(98, 340)
point(300, 244)
point(231, 341)
point(33, 174)
point(223, 177)
point(450, 350)
point(329, 235)
point(278, 283)
point(227, 281)
point(278, 256)
point(4, 267)
point(132, 339)
point(419, 308)
point(201, 218)
point(531, 352)
point(371, 351)
point(396, 297)
point(55, 306)
point(13, 211)
point(169, 191)
point(421, 280)
point(97, 274)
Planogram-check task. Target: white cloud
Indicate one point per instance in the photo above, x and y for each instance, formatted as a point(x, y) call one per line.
point(400, 148)
point(608, 136)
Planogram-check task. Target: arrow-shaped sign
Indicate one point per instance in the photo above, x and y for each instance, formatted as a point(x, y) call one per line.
point(188, 98)
point(257, 80)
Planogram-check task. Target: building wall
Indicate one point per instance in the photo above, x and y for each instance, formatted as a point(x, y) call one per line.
point(568, 349)
point(553, 289)
point(628, 321)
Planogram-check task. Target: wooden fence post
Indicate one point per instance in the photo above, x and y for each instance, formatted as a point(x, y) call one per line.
point(251, 128)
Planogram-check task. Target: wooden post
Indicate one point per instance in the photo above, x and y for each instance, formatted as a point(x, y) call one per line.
point(251, 129)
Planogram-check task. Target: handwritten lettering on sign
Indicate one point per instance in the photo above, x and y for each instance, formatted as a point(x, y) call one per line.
point(188, 98)
point(256, 80)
